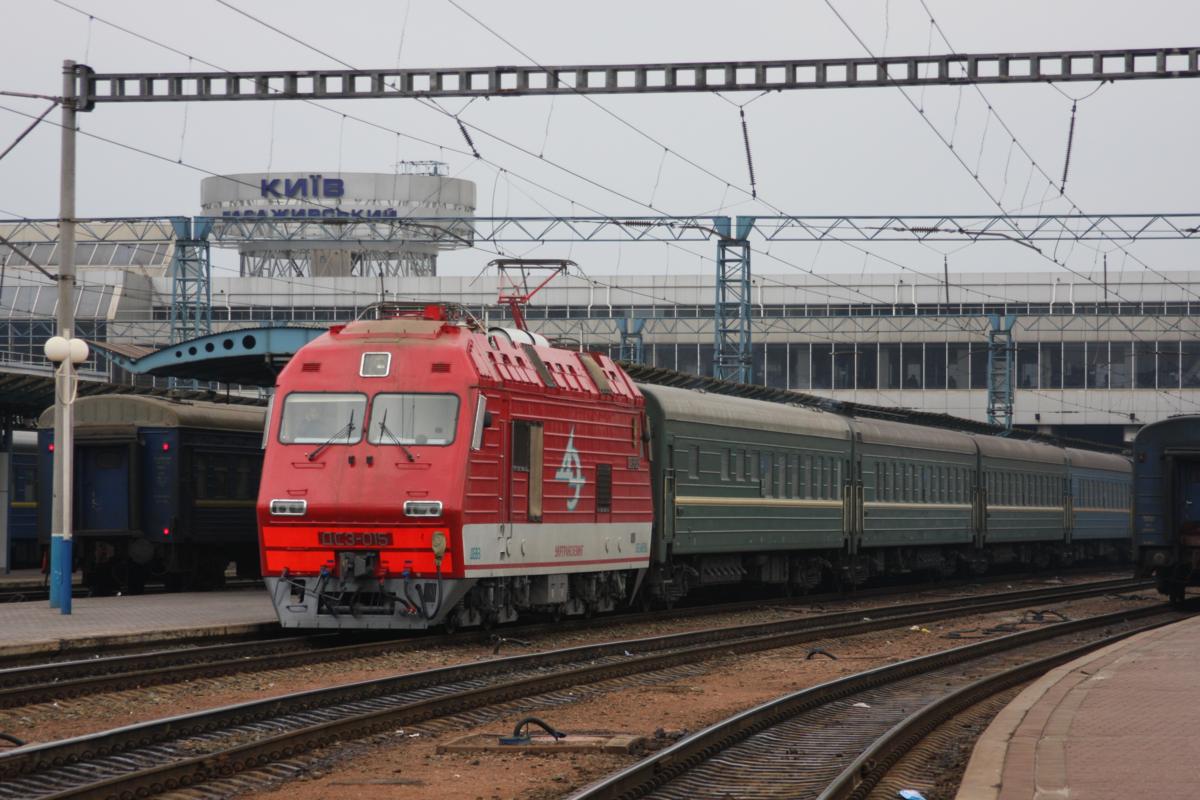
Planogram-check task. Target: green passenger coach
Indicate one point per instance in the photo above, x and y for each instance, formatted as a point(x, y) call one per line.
point(753, 491)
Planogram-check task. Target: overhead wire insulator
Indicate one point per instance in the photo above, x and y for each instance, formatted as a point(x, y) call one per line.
point(1070, 141)
point(467, 136)
point(749, 157)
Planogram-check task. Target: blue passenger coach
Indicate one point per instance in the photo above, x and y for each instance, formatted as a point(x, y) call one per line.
point(21, 502)
point(164, 490)
point(1166, 503)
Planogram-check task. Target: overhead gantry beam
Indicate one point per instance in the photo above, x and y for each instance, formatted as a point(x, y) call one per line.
point(697, 76)
point(336, 231)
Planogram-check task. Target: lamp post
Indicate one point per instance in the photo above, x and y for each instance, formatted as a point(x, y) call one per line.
point(66, 353)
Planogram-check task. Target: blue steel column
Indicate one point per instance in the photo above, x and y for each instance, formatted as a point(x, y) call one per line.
point(632, 348)
point(191, 287)
point(731, 309)
point(1000, 370)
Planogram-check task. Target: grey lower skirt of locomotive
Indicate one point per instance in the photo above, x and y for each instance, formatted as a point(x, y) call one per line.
point(164, 491)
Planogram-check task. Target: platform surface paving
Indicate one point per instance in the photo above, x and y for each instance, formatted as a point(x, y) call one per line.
point(1118, 723)
point(35, 627)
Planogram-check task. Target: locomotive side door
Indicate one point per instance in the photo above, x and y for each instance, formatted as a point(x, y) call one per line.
point(525, 473)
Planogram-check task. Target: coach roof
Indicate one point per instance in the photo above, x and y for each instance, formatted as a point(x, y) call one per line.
point(157, 412)
point(736, 412)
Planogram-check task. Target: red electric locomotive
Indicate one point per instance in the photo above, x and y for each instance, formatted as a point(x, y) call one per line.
point(421, 470)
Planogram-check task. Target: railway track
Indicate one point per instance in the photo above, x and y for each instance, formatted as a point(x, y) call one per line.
point(836, 741)
point(40, 593)
point(165, 755)
point(25, 685)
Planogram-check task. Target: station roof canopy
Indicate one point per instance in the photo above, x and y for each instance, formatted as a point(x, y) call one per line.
point(249, 356)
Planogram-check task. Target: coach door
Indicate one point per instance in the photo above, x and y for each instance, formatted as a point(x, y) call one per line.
point(1185, 499)
point(103, 474)
point(853, 506)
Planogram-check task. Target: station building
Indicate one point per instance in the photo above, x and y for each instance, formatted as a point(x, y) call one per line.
point(1093, 360)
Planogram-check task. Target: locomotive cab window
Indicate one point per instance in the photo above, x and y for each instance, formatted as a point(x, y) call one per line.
point(375, 365)
point(413, 419)
point(320, 417)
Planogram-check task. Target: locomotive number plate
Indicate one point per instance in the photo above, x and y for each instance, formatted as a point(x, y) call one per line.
point(354, 539)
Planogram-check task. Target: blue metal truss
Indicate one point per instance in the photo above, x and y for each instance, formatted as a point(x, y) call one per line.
point(191, 286)
point(1000, 370)
point(731, 310)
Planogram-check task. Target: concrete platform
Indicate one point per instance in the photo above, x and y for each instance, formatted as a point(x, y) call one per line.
point(31, 628)
point(30, 579)
point(1118, 723)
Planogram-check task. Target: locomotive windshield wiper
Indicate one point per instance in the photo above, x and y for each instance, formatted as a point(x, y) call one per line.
point(383, 428)
point(345, 430)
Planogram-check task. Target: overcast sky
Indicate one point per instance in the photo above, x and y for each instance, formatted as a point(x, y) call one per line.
point(862, 151)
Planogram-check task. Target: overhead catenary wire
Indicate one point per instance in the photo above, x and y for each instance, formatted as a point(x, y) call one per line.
point(934, 25)
point(28, 129)
point(949, 144)
point(685, 159)
point(1070, 141)
point(788, 264)
point(781, 260)
point(464, 125)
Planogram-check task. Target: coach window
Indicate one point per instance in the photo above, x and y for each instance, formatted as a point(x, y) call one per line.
point(694, 461)
point(726, 457)
point(752, 457)
point(767, 473)
point(413, 419)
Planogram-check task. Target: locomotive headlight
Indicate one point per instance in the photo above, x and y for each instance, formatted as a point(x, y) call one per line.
point(288, 508)
point(423, 508)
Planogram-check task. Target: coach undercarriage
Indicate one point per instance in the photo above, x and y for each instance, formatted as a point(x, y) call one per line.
point(363, 601)
point(836, 569)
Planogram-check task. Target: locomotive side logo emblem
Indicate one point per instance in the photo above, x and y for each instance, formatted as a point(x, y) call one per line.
point(571, 470)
